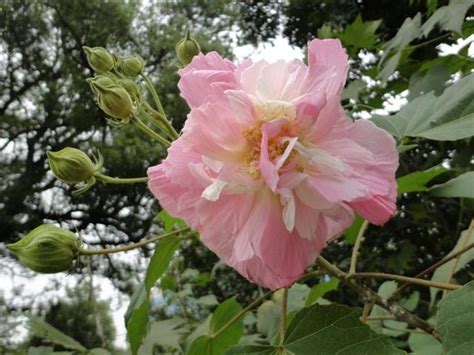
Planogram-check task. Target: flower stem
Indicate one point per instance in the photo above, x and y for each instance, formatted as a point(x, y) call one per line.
point(158, 104)
point(151, 132)
point(155, 117)
point(89, 252)
point(355, 251)
point(412, 280)
point(115, 180)
point(284, 306)
point(241, 313)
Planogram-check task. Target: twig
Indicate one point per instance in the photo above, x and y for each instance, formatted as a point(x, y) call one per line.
point(88, 252)
point(398, 311)
point(241, 313)
point(284, 304)
point(389, 317)
point(366, 311)
point(412, 280)
point(355, 250)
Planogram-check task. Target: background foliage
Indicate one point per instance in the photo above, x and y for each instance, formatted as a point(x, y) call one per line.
point(45, 104)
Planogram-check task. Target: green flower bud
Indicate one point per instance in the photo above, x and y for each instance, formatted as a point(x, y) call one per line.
point(115, 101)
point(99, 59)
point(47, 249)
point(100, 82)
point(71, 165)
point(132, 66)
point(132, 88)
point(187, 48)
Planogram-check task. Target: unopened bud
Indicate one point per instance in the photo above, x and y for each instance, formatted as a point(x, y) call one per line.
point(132, 88)
point(71, 165)
point(116, 102)
point(100, 82)
point(99, 59)
point(132, 66)
point(47, 249)
point(187, 48)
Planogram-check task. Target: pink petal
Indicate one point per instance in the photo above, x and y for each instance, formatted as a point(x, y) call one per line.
point(205, 74)
point(269, 170)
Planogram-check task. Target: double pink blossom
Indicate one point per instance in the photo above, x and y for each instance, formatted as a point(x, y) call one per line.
point(269, 168)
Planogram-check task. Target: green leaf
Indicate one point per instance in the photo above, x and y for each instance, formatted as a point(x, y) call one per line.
point(433, 80)
point(325, 31)
point(166, 333)
point(447, 117)
point(460, 186)
point(321, 289)
point(360, 34)
point(136, 317)
point(45, 330)
point(449, 18)
point(417, 181)
point(268, 317)
point(406, 147)
point(352, 90)
point(334, 329)
point(409, 31)
point(208, 300)
point(351, 233)
point(46, 350)
point(169, 223)
point(456, 319)
point(395, 50)
point(424, 344)
point(444, 272)
point(211, 343)
point(251, 350)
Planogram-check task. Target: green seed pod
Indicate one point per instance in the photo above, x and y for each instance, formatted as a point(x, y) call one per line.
point(99, 59)
point(71, 165)
point(132, 88)
point(100, 82)
point(132, 66)
point(187, 48)
point(47, 249)
point(115, 101)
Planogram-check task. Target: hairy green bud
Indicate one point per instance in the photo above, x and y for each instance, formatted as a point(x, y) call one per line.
point(100, 82)
point(116, 102)
point(71, 165)
point(99, 59)
point(132, 66)
point(187, 48)
point(47, 249)
point(132, 88)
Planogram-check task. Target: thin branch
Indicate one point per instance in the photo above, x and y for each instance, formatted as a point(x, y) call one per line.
point(241, 313)
point(388, 317)
point(398, 311)
point(355, 250)
point(132, 246)
point(115, 180)
point(412, 280)
point(284, 305)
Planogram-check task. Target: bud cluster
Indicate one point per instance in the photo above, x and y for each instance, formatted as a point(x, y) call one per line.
point(117, 93)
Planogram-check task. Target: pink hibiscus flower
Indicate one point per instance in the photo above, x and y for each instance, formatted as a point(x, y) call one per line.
point(269, 169)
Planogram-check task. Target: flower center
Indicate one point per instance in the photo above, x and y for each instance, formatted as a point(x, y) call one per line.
point(276, 148)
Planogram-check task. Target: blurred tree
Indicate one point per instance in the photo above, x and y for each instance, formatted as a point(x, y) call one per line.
point(81, 317)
